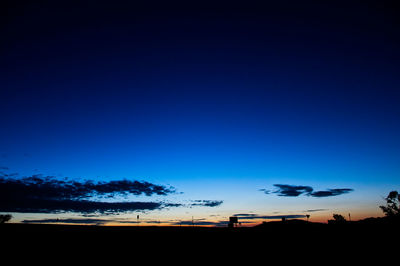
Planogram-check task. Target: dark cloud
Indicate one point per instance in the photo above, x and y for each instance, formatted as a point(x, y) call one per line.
point(49, 187)
point(207, 203)
point(245, 214)
point(295, 191)
point(28, 205)
point(129, 187)
point(96, 221)
point(316, 210)
point(201, 223)
point(292, 191)
point(268, 217)
point(330, 192)
point(70, 221)
point(39, 194)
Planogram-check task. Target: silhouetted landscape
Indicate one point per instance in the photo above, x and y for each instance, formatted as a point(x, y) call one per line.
point(339, 233)
point(186, 132)
point(289, 231)
point(281, 241)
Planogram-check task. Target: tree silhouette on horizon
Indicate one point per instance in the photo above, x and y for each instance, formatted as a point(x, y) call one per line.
point(337, 219)
point(392, 208)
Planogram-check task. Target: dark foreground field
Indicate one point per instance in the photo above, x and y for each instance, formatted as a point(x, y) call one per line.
point(282, 233)
point(273, 241)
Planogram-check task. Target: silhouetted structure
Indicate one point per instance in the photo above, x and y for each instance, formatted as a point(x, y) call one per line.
point(233, 220)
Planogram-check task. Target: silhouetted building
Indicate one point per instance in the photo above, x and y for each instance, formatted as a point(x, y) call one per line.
point(233, 220)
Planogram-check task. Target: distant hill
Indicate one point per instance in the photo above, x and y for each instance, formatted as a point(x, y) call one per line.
point(294, 222)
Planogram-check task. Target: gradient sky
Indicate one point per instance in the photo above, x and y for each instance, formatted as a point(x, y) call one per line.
point(222, 102)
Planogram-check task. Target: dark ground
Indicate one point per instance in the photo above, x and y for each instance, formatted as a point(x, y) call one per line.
point(275, 242)
point(287, 231)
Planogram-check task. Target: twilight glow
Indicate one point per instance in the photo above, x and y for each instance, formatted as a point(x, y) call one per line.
point(173, 115)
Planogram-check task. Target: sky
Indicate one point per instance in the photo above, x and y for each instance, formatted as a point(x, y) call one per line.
point(124, 113)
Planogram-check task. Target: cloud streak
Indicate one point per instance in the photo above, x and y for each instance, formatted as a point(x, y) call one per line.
point(96, 221)
point(207, 203)
point(284, 190)
point(70, 221)
point(200, 223)
point(26, 205)
point(331, 192)
point(315, 210)
point(245, 216)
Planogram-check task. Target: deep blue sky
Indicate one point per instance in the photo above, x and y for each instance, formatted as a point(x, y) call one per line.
point(210, 99)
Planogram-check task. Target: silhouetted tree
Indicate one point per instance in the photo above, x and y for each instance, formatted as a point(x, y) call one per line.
point(392, 205)
point(337, 219)
point(5, 218)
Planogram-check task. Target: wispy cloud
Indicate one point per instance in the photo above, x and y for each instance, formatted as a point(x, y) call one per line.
point(245, 216)
point(99, 221)
point(200, 223)
point(70, 221)
point(315, 210)
point(207, 203)
point(284, 190)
